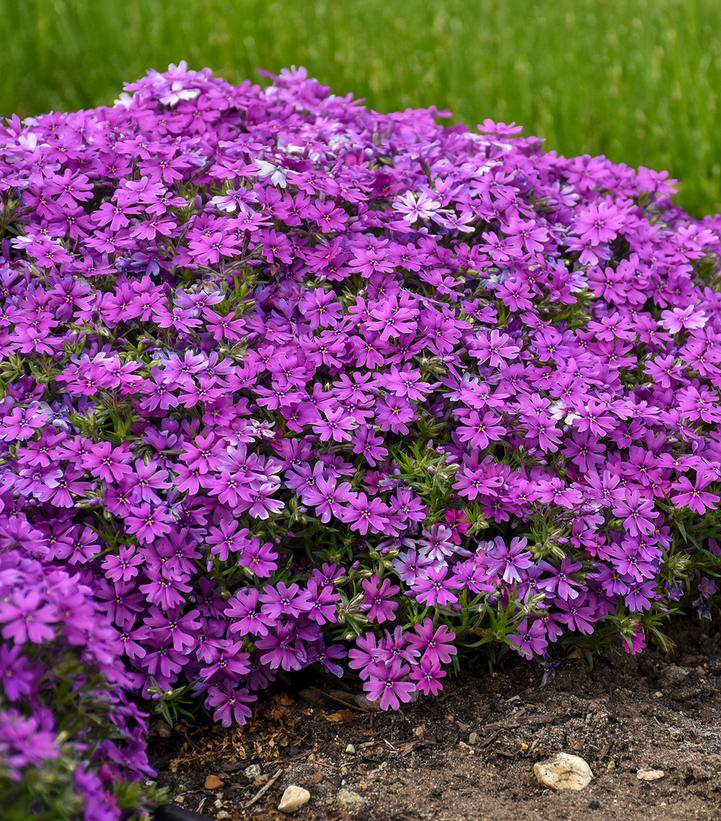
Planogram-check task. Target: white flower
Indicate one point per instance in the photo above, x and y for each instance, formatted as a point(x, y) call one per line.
point(277, 175)
point(415, 207)
point(178, 93)
point(124, 99)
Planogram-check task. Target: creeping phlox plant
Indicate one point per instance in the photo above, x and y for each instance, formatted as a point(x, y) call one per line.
point(288, 382)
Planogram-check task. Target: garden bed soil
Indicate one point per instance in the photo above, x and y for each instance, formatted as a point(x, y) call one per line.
point(470, 753)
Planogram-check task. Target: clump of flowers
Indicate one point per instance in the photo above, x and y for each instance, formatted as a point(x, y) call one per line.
point(70, 737)
point(288, 382)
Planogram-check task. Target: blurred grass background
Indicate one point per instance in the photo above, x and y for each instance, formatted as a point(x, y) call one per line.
point(638, 80)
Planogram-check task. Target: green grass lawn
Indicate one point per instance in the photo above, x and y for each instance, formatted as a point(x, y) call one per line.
point(638, 80)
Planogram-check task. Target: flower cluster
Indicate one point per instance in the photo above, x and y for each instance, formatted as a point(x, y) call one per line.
point(282, 374)
point(66, 712)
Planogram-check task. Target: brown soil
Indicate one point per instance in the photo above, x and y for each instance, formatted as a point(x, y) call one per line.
point(470, 754)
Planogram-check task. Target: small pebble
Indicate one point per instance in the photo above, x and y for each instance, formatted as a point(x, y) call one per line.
point(349, 800)
point(293, 798)
point(350, 749)
point(650, 775)
point(563, 772)
point(212, 782)
point(252, 772)
point(473, 738)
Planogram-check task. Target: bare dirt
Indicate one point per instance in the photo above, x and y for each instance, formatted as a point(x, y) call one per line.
point(470, 754)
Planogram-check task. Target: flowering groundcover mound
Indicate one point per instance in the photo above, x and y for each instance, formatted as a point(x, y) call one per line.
point(288, 382)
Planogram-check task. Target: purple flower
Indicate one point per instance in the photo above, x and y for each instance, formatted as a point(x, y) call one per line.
point(432, 588)
point(19, 676)
point(637, 513)
point(561, 582)
point(530, 638)
point(694, 496)
point(282, 649)
point(387, 684)
point(246, 613)
point(432, 642)
point(284, 600)
point(323, 602)
point(378, 603)
point(24, 742)
point(148, 522)
point(364, 514)
point(230, 705)
point(25, 616)
point(427, 675)
point(509, 560)
point(366, 653)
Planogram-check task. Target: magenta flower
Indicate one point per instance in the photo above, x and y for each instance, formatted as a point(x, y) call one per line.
point(327, 496)
point(246, 614)
point(388, 685)
point(148, 522)
point(378, 603)
point(230, 706)
point(26, 617)
point(431, 588)
point(284, 600)
point(479, 430)
point(530, 638)
point(124, 566)
point(434, 643)
point(22, 423)
point(323, 602)
point(509, 560)
point(364, 514)
point(599, 223)
point(427, 675)
point(108, 463)
point(693, 495)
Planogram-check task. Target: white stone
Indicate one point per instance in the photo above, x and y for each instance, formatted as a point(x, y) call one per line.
point(293, 798)
point(650, 775)
point(563, 772)
point(252, 772)
point(349, 800)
